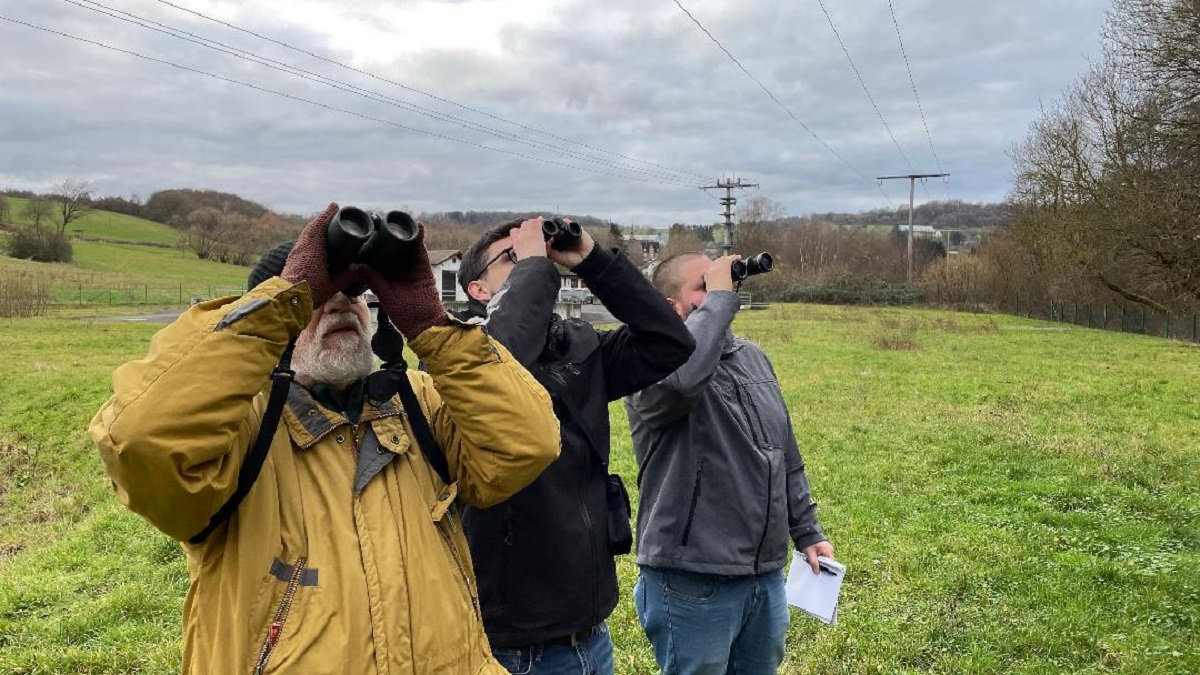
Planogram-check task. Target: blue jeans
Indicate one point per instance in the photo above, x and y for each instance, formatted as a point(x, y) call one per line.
point(705, 624)
point(593, 656)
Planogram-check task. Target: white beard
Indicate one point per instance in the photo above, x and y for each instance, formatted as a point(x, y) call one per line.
point(345, 360)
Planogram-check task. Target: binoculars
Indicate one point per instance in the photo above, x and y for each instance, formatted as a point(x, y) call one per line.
point(385, 243)
point(560, 233)
point(755, 264)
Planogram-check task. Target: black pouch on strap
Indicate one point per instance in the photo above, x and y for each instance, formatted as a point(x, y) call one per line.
point(620, 535)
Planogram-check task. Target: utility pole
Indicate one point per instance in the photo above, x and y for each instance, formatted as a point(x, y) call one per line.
point(912, 187)
point(728, 201)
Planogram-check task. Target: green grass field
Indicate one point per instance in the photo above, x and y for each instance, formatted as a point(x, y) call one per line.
point(110, 273)
point(105, 225)
point(1009, 496)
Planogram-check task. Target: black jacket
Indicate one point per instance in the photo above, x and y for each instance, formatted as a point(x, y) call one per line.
point(542, 558)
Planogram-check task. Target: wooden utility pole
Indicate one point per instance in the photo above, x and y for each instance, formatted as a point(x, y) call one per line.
point(912, 187)
point(728, 201)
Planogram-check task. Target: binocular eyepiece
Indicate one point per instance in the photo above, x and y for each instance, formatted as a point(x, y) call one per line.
point(561, 233)
point(385, 243)
point(755, 264)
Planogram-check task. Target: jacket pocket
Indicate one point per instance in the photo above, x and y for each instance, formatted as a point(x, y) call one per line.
point(279, 620)
point(687, 527)
point(763, 411)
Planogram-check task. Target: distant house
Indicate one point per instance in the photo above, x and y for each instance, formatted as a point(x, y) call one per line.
point(445, 273)
point(651, 244)
point(921, 231)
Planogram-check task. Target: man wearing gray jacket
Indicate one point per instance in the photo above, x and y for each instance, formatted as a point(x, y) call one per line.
point(722, 488)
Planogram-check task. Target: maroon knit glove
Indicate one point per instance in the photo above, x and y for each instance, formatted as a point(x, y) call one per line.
point(307, 261)
point(410, 297)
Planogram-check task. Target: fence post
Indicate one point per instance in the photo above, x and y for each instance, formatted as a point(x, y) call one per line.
point(1168, 331)
point(1106, 316)
point(110, 296)
point(1089, 315)
point(181, 294)
point(1122, 318)
point(81, 294)
point(146, 294)
point(1075, 314)
point(1143, 321)
point(1193, 327)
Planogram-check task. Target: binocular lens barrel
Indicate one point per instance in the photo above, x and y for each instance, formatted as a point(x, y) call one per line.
point(346, 234)
point(561, 234)
point(383, 243)
point(755, 264)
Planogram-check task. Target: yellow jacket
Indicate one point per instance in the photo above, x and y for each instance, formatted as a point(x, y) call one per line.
point(334, 563)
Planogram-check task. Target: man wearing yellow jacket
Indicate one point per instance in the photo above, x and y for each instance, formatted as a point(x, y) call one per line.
point(347, 554)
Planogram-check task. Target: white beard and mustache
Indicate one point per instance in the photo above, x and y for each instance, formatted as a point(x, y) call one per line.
point(343, 361)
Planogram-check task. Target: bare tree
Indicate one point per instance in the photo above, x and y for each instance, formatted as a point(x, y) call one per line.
point(75, 198)
point(37, 209)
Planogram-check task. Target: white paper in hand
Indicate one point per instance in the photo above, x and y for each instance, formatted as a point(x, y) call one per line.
point(815, 594)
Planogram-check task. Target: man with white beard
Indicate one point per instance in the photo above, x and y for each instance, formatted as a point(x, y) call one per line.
point(343, 551)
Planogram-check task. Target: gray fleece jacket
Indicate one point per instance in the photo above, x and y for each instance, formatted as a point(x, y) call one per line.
point(721, 480)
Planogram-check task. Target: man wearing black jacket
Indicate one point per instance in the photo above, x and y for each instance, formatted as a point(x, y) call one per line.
point(545, 558)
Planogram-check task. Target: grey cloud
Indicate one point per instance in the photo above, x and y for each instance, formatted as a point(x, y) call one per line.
point(624, 76)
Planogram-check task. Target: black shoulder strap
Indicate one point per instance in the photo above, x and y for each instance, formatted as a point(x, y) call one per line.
point(388, 344)
point(416, 417)
point(281, 381)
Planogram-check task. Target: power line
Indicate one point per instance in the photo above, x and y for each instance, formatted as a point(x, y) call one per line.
point(913, 82)
point(326, 106)
point(350, 88)
point(777, 101)
point(863, 84)
point(414, 90)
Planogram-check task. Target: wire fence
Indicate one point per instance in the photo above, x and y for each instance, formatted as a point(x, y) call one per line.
point(138, 294)
point(1140, 319)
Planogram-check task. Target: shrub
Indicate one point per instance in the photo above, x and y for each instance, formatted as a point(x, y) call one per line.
point(23, 295)
point(36, 244)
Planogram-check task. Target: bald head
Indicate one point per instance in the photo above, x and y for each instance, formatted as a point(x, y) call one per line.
point(667, 275)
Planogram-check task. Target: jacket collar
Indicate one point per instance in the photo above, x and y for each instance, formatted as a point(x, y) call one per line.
point(308, 421)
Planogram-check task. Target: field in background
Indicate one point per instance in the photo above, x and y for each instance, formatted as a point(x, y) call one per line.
point(124, 260)
point(1009, 496)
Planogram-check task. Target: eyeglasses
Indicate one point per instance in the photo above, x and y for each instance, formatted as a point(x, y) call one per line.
point(512, 257)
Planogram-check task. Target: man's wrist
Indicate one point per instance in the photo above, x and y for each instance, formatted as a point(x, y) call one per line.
point(594, 262)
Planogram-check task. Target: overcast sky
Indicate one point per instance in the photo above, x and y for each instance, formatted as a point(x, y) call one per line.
point(625, 106)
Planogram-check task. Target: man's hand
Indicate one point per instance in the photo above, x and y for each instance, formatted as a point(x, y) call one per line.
point(308, 261)
point(719, 276)
point(527, 239)
point(409, 295)
point(574, 254)
point(820, 548)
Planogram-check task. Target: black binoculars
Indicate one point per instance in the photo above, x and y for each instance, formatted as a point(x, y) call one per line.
point(755, 264)
point(560, 233)
point(385, 243)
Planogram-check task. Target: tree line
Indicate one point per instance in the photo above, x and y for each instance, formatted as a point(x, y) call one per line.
point(1106, 196)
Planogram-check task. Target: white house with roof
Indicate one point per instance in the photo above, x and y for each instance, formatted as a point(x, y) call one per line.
point(446, 264)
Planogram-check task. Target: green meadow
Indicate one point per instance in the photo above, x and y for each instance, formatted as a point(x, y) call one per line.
point(104, 225)
point(1009, 496)
point(124, 260)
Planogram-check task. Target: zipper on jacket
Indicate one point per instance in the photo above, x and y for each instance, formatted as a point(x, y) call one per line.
point(737, 391)
point(462, 571)
point(281, 615)
point(591, 535)
point(767, 520)
point(687, 527)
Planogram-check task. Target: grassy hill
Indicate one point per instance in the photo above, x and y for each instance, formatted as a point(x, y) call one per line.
point(123, 260)
point(106, 225)
point(1009, 496)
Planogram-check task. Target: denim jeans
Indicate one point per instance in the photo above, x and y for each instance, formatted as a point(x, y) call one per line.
point(593, 656)
point(704, 624)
